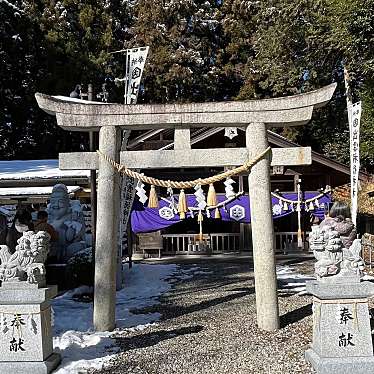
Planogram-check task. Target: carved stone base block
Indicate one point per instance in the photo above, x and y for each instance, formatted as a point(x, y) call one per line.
point(26, 343)
point(341, 365)
point(34, 367)
point(342, 340)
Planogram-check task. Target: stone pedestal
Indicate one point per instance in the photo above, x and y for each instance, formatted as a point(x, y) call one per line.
point(26, 344)
point(342, 340)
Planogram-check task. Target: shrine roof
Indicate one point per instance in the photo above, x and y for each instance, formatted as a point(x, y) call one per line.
point(273, 138)
point(36, 169)
point(12, 192)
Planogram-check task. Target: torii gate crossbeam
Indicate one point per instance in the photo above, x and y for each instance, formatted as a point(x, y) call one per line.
point(255, 116)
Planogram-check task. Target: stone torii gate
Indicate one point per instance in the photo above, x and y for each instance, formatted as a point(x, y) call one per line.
point(254, 115)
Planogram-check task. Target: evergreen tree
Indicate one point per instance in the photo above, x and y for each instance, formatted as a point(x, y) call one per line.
point(294, 46)
point(352, 24)
point(200, 50)
point(22, 57)
point(239, 23)
point(183, 37)
point(50, 47)
point(81, 37)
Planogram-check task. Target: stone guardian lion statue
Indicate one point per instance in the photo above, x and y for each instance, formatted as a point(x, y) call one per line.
point(26, 264)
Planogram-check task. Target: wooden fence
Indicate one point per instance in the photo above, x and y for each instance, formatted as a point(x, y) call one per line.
point(287, 242)
point(173, 244)
point(191, 243)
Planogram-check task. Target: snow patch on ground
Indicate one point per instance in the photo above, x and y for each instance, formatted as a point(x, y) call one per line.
point(292, 282)
point(79, 346)
point(82, 350)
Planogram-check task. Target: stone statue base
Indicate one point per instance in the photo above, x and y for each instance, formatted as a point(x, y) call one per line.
point(37, 367)
point(26, 344)
point(342, 365)
point(342, 340)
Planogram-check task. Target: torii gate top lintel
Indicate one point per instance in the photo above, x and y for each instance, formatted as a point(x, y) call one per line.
point(80, 115)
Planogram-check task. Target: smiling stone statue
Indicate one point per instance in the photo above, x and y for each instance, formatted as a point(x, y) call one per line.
point(67, 218)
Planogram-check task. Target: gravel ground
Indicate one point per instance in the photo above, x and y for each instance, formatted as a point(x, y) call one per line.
point(208, 326)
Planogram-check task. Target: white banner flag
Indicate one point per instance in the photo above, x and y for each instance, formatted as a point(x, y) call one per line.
point(135, 61)
point(354, 117)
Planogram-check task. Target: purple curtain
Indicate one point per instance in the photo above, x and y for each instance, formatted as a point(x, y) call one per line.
point(145, 219)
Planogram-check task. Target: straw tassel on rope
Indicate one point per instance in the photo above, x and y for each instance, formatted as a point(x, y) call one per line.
point(153, 200)
point(217, 214)
point(200, 217)
point(182, 205)
point(200, 220)
point(212, 197)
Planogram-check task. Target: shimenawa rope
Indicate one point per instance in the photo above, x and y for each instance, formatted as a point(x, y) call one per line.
point(186, 184)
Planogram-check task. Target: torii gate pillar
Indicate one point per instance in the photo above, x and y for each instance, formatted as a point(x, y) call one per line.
point(253, 115)
point(262, 230)
point(106, 232)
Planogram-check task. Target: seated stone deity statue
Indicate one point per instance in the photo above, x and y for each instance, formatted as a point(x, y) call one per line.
point(67, 219)
point(26, 264)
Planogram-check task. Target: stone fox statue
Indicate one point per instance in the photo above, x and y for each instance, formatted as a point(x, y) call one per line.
point(27, 262)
